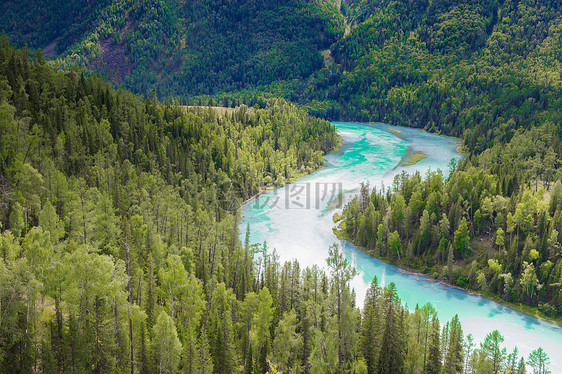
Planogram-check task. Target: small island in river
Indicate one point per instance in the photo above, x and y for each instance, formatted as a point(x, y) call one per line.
point(414, 158)
point(411, 158)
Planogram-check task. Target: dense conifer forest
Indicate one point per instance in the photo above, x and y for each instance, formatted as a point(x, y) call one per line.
point(118, 255)
point(478, 229)
point(119, 242)
point(474, 69)
point(489, 73)
point(178, 47)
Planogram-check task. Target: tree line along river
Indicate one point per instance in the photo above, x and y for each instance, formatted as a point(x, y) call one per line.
point(296, 221)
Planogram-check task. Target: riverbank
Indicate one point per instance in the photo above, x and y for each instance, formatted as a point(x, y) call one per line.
point(461, 149)
point(368, 154)
point(295, 177)
point(531, 311)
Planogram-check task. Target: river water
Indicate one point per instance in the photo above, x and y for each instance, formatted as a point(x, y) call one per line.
point(296, 221)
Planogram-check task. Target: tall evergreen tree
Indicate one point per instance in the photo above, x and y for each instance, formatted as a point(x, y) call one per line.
point(392, 350)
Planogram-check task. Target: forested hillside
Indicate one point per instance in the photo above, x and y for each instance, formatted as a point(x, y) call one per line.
point(473, 69)
point(120, 253)
point(178, 47)
point(494, 225)
point(119, 224)
point(488, 72)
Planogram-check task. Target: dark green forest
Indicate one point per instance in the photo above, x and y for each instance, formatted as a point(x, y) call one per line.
point(181, 48)
point(481, 228)
point(488, 73)
point(120, 191)
point(474, 69)
point(119, 255)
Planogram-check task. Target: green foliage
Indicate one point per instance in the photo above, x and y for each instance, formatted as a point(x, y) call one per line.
point(173, 48)
point(119, 248)
point(166, 344)
point(120, 252)
point(461, 238)
point(465, 68)
point(38, 23)
point(539, 361)
point(498, 232)
point(491, 349)
point(287, 343)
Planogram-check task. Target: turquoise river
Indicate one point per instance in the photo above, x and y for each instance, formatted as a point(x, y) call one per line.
point(296, 220)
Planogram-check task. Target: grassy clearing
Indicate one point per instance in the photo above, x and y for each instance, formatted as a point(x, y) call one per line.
point(220, 109)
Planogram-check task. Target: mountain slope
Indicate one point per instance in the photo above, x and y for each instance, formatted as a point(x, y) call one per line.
point(472, 68)
point(487, 72)
point(476, 69)
point(174, 47)
point(120, 250)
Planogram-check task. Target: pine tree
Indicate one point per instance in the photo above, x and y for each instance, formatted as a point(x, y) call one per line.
point(342, 273)
point(539, 360)
point(462, 238)
point(204, 360)
point(221, 331)
point(450, 259)
point(287, 344)
point(260, 336)
point(166, 346)
point(433, 363)
point(370, 327)
point(49, 221)
point(454, 355)
point(392, 351)
point(492, 349)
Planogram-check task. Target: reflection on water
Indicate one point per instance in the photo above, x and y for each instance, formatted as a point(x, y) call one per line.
point(370, 152)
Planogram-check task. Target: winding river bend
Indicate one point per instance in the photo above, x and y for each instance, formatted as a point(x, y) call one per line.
point(296, 220)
